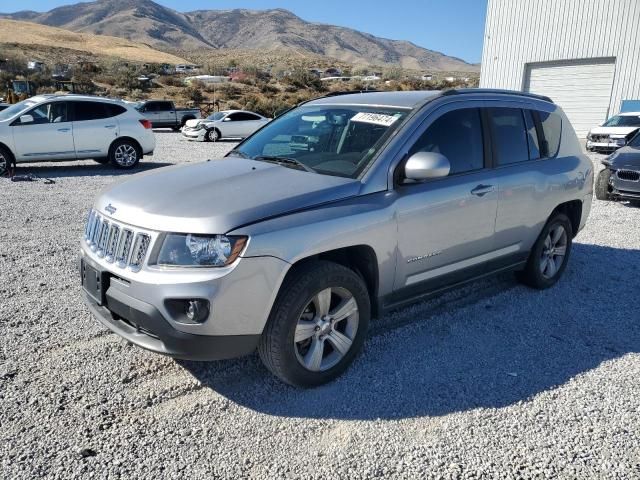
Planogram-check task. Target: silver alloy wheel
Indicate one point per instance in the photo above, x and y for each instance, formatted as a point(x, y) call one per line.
point(326, 329)
point(213, 135)
point(126, 155)
point(553, 251)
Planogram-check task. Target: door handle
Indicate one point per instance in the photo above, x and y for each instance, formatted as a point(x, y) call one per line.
point(482, 190)
point(109, 126)
point(64, 129)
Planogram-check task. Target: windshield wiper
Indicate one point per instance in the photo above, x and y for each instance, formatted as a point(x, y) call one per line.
point(284, 161)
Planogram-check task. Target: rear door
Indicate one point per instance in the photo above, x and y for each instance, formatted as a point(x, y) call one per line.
point(240, 124)
point(48, 137)
point(527, 171)
point(94, 128)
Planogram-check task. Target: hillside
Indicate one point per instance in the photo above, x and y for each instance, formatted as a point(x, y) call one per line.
point(147, 22)
point(45, 37)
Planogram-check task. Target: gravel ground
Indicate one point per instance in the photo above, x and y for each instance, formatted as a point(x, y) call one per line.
point(493, 381)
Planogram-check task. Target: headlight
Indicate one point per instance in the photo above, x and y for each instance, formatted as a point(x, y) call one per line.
point(194, 250)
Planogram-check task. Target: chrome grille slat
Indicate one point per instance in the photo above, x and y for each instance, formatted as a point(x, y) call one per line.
point(115, 243)
point(139, 251)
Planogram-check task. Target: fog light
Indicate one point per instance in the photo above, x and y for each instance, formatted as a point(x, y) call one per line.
point(193, 310)
point(197, 310)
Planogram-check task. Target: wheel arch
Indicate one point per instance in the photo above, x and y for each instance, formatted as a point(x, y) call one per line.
point(573, 210)
point(362, 259)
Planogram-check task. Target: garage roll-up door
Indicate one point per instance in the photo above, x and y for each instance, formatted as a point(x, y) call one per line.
point(581, 88)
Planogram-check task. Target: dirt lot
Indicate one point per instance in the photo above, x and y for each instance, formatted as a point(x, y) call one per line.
point(495, 380)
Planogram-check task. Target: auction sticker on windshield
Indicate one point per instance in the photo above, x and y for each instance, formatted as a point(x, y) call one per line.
point(375, 118)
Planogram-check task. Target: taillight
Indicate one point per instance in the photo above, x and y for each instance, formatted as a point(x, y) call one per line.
point(146, 123)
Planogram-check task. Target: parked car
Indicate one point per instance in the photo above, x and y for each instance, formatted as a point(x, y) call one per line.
point(164, 114)
point(620, 179)
point(336, 212)
point(226, 124)
point(74, 127)
point(614, 133)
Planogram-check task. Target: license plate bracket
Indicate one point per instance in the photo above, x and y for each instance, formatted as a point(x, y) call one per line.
point(94, 282)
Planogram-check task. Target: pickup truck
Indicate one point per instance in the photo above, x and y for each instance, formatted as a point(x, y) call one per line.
point(164, 114)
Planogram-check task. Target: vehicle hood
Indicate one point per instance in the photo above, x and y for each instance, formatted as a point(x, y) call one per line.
point(626, 157)
point(219, 195)
point(622, 131)
point(197, 121)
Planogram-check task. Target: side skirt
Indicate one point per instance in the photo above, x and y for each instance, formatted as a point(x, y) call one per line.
point(451, 281)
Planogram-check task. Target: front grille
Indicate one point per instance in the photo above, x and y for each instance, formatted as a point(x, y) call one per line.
point(600, 138)
point(628, 175)
point(116, 243)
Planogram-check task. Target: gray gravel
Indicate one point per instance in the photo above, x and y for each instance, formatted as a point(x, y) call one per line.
point(493, 381)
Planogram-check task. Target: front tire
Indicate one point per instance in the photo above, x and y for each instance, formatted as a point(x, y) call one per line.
point(317, 326)
point(124, 154)
point(6, 159)
point(550, 254)
point(602, 185)
point(212, 135)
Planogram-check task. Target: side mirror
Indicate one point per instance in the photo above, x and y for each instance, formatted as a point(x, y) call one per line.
point(26, 119)
point(426, 165)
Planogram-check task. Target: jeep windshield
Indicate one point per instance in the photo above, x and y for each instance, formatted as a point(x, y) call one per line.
point(337, 140)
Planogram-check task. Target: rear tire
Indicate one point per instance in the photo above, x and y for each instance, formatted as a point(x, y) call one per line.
point(550, 254)
point(317, 325)
point(602, 185)
point(124, 154)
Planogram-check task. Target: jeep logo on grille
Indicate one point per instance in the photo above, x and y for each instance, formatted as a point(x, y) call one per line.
point(110, 209)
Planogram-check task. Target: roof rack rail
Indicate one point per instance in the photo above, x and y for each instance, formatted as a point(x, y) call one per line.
point(347, 92)
point(496, 90)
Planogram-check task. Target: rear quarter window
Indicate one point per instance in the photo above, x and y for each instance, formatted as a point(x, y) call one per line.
point(551, 124)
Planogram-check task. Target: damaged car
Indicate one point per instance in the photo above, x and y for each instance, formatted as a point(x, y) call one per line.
point(620, 179)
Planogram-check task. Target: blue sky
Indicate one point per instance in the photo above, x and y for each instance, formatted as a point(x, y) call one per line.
point(454, 27)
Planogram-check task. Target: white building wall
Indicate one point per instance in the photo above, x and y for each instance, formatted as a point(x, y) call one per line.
point(521, 32)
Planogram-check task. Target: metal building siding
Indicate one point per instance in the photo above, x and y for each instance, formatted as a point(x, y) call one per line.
point(519, 32)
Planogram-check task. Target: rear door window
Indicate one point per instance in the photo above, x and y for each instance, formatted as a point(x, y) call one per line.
point(510, 143)
point(85, 111)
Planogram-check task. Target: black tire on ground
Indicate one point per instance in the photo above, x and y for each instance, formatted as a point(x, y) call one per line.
point(634, 203)
point(102, 161)
point(124, 154)
point(534, 274)
point(277, 348)
point(602, 184)
point(6, 159)
point(212, 135)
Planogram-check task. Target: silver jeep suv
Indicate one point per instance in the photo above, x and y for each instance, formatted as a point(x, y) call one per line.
point(334, 213)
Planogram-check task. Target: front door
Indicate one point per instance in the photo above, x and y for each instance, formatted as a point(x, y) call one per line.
point(446, 225)
point(47, 136)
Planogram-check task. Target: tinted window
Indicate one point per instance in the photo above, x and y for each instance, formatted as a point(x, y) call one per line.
point(552, 131)
point(163, 106)
point(55, 112)
point(241, 116)
point(458, 136)
point(623, 121)
point(89, 111)
point(509, 135)
point(532, 135)
point(114, 110)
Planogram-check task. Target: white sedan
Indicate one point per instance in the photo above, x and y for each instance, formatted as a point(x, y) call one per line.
point(225, 124)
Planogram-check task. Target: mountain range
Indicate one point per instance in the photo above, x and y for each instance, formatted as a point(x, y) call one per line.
point(162, 28)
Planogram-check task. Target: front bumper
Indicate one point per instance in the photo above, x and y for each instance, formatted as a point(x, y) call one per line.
point(603, 146)
point(624, 189)
point(143, 325)
point(190, 134)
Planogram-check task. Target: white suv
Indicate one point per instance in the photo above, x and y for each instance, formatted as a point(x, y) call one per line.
point(73, 127)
